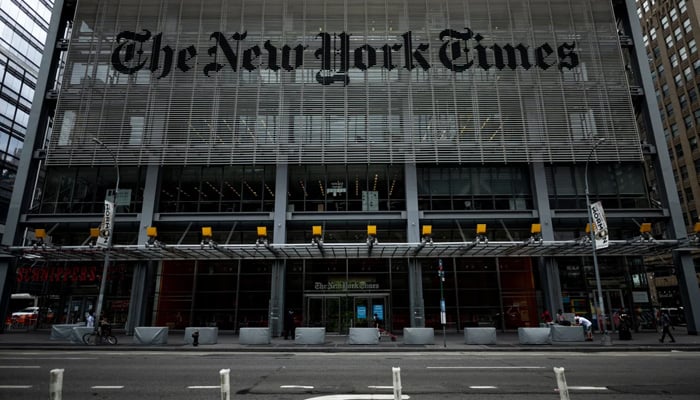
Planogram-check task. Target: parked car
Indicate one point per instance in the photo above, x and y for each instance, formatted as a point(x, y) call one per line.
point(30, 315)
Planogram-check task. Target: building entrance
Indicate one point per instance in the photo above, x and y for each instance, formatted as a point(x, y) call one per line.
point(338, 313)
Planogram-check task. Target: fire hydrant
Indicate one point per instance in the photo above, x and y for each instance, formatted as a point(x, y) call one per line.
point(195, 338)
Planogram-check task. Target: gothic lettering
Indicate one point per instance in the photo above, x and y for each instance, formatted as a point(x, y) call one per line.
point(133, 53)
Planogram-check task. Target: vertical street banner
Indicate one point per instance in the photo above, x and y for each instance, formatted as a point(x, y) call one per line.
point(600, 226)
point(106, 225)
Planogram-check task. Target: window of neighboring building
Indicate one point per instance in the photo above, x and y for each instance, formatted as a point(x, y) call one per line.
point(645, 5)
point(692, 95)
point(674, 130)
point(693, 141)
point(669, 110)
point(692, 46)
point(652, 33)
point(664, 89)
point(674, 60)
point(683, 53)
point(669, 41)
point(674, 14)
point(696, 66)
point(683, 100)
point(687, 27)
point(679, 80)
point(688, 73)
point(697, 117)
point(657, 52)
point(664, 22)
point(688, 121)
point(678, 33)
point(679, 150)
point(681, 6)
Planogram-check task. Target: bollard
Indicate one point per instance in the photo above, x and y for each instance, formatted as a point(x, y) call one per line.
point(56, 384)
point(397, 382)
point(561, 383)
point(225, 384)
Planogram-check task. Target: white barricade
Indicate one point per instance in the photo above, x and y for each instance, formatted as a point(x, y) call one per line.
point(62, 331)
point(254, 336)
point(562, 333)
point(418, 336)
point(534, 336)
point(207, 335)
point(151, 335)
point(363, 336)
point(485, 335)
point(310, 335)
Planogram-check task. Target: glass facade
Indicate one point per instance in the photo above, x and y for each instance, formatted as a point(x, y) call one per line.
point(23, 26)
point(390, 114)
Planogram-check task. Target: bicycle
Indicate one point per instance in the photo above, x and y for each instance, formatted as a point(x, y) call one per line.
point(97, 337)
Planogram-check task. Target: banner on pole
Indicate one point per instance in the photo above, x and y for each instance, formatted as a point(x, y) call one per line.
point(600, 226)
point(107, 225)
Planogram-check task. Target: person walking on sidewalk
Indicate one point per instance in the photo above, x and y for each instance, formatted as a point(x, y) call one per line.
point(666, 327)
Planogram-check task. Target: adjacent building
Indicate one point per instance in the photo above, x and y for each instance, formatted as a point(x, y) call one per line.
point(670, 31)
point(339, 160)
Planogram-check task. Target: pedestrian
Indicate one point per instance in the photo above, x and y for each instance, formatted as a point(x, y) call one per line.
point(289, 325)
point(546, 317)
point(666, 327)
point(587, 327)
point(90, 320)
point(195, 338)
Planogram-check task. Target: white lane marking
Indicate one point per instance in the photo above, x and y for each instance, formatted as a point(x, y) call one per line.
point(588, 388)
point(295, 387)
point(525, 367)
point(358, 397)
point(204, 387)
point(381, 387)
point(15, 386)
point(107, 387)
point(482, 387)
point(18, 366)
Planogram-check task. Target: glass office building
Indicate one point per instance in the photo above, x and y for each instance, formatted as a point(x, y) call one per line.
point(332, 158)
point(23, 26)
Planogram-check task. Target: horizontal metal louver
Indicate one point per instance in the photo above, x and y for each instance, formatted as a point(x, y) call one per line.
point(312, 82)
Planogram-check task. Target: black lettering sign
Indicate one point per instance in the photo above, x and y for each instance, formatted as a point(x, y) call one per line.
point(336, 55)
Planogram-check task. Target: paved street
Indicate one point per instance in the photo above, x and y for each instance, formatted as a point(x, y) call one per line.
point(189, 375)
point(640, 368)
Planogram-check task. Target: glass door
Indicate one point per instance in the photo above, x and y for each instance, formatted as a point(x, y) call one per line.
point(326, 312)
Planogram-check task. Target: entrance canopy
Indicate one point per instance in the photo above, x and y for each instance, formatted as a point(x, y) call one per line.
point(571, 248)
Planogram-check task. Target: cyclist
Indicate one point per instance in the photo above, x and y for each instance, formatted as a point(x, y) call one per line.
point(105, 328)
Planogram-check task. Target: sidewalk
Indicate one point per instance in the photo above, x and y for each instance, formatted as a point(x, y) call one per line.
point(453, 341)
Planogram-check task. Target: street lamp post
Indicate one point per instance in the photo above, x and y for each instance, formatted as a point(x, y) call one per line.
point(601, 305)
point(110, 231)
point(443, 315)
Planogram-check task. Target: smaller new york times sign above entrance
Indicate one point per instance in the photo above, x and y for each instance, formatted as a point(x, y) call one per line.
point(346, 285)
point(459, 52)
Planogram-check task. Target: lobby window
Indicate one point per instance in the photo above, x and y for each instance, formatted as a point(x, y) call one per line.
point(341, 188)
point(217, 189)
point(473, 188)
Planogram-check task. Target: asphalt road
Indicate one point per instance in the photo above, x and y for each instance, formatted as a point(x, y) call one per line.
point(345, 376)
